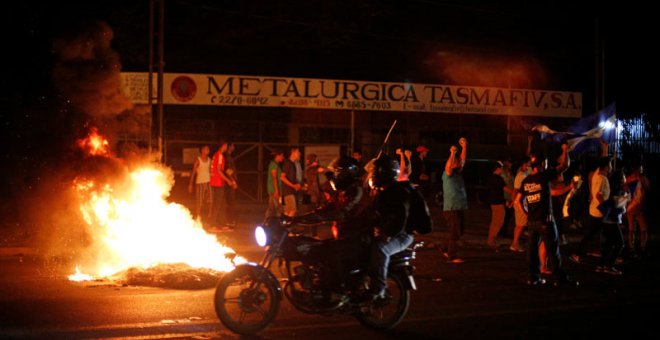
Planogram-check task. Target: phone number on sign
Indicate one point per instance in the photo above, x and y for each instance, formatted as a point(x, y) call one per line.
point(238, 100)
point(364, 105)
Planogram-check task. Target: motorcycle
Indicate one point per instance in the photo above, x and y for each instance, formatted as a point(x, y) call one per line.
point(247, 299)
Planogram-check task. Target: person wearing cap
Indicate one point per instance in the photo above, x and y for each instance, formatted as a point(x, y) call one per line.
point(274, 184)
point(535, 189)
point(418, 173)
point(496, 189)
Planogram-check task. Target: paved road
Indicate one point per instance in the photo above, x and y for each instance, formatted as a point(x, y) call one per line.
point(483, 298)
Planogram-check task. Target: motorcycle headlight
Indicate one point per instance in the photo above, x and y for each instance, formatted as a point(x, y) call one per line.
point(260, 236)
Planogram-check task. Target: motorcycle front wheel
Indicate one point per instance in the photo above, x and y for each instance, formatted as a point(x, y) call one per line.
point(245, 301)
point(389, 312)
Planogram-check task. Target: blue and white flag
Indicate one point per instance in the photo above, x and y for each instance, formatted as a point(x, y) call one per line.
point(583, 135)
point(589, 129)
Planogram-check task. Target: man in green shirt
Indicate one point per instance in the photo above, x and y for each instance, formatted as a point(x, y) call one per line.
point(274, 184)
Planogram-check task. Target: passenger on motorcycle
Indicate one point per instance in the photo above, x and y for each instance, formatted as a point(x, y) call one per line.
point(349, 209)
point(391, 206)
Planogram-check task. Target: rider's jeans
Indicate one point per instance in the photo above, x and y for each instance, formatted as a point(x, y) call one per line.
point(381, 251)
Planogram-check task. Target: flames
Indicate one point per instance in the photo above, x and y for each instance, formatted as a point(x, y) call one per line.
point(94, 144)
point(134, 226)
point(78, 276)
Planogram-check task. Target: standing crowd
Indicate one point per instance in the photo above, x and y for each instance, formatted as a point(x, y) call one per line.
point(539, 198)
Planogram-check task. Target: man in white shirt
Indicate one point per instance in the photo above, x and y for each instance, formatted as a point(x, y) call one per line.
point(599, 189)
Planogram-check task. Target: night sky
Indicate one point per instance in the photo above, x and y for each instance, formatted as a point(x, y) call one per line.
point(538, 45)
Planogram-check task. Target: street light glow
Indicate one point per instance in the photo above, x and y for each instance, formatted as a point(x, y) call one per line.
point(606, 125)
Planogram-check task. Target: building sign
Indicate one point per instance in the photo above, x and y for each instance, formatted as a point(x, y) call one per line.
point(233, 90)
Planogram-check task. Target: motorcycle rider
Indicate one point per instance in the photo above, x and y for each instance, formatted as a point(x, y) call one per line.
point(391, 206)
point(348, 208)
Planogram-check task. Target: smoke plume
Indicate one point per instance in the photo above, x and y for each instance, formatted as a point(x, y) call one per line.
point(86, 76)
point(490, 72)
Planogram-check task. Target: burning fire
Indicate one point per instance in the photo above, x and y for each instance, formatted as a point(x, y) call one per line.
point(134, 226)
point(94, 144)
point(78, 276)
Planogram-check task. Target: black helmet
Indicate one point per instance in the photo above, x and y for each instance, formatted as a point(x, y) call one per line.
point(382, 171)
point(345, 172)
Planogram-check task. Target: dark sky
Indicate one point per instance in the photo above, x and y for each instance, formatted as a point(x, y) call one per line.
point(425, 41)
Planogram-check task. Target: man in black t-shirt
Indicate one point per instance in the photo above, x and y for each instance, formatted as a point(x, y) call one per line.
point(536, 190)
point(290, 178)
point(496, 189)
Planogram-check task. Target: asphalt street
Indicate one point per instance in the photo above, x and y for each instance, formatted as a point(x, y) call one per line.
point(484, 297)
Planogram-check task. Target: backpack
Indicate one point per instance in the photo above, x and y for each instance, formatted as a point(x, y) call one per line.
point(419, 216)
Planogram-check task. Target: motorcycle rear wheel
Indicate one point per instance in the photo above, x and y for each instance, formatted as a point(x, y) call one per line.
point(245, 303)
point(392, 311)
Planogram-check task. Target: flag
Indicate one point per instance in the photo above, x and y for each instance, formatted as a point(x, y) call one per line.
point(583, 135)
point(588, 130)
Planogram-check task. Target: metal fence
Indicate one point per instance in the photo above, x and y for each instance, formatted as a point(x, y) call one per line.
point(635, 134)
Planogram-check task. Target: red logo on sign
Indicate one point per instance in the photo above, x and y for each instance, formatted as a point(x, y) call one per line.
point(184, 88)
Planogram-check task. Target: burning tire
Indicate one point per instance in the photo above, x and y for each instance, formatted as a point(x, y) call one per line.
point(247, 299)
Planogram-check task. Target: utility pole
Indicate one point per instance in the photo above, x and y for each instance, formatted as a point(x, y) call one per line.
point(161, 66)
point(150, 89)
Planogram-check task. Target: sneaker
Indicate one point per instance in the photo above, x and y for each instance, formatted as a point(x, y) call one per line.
point(516, 250)
point(612, 271)
point(369, 298)
point(455, 260)
point(536, 282)
point(575, 258)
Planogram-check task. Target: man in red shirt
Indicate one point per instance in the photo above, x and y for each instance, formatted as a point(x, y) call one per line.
point(218, 182)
